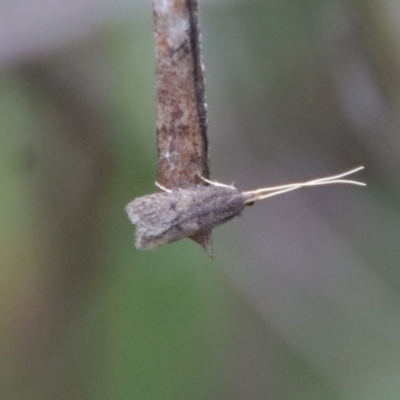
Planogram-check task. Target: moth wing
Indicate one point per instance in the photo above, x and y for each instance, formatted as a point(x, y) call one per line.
point(204, 240)
point(153, 214)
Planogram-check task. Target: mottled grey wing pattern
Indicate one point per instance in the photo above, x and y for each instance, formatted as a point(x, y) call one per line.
point(152, 212)
point(166, 217)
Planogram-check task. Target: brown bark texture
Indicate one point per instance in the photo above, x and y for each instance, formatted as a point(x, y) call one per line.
point(181, 116)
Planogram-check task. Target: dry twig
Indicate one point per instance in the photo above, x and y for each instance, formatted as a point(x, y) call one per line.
point(181, 109)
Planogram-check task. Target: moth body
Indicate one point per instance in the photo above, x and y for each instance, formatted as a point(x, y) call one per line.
point(166, 217)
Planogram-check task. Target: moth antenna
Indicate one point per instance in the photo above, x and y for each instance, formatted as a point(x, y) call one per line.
point(264, 193)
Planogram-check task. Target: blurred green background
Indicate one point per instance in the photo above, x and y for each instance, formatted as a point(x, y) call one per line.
point(302, 298)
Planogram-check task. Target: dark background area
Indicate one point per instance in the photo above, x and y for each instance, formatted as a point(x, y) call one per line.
point(302, 298)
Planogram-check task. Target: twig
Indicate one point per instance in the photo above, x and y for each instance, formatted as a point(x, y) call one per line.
point(181, 108)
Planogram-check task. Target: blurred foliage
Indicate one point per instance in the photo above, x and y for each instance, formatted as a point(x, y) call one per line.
point(302, 299)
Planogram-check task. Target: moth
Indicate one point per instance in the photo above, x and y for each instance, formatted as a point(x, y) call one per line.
point(171, 215)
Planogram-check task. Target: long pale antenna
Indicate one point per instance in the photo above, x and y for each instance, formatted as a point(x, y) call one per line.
point(264, 193)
